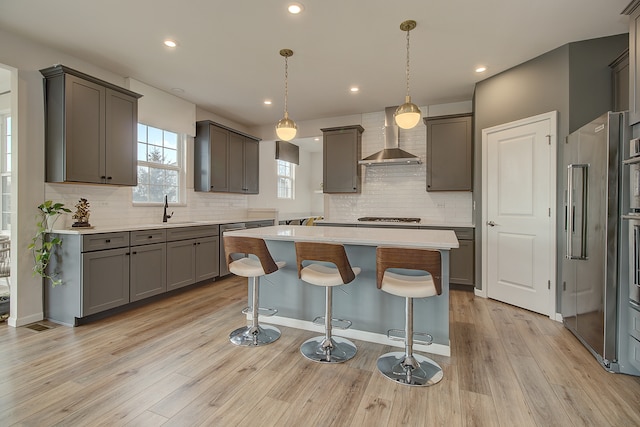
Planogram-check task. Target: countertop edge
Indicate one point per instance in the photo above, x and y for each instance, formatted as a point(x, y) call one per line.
point(159, 226)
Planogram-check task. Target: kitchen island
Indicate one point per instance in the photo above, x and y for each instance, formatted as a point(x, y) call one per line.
point(372, 311)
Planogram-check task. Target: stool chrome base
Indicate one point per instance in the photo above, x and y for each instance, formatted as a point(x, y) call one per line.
point(335, 350)
point(415, 370)
point(253, 336)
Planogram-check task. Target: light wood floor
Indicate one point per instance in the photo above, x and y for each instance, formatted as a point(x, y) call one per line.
point(170, 363)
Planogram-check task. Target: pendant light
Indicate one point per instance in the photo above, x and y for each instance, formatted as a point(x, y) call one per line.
point(408, 114)
point(286, 128)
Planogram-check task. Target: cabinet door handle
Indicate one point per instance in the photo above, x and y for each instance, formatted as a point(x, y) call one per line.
point(150, 237)
point(134, 252)
point(108, 241)
point(103, 177)
point(109, 177)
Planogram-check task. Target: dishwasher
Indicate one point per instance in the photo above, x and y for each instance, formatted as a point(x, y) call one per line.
point(224, 269)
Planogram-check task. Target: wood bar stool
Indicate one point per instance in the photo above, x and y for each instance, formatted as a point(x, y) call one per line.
point(327, 348)
point(253, 269)
point(425, 265)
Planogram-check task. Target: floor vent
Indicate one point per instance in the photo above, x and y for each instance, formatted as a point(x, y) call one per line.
point(38, 327)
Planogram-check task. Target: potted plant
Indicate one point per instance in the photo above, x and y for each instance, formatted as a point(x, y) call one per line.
point(43, 244)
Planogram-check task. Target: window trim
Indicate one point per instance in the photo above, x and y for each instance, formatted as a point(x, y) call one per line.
point(180, 168)
point(291, 177)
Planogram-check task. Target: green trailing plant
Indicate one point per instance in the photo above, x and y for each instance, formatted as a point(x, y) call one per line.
point(43, 243)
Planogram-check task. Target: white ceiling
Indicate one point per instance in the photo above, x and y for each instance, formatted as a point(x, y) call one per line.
point(227, 60)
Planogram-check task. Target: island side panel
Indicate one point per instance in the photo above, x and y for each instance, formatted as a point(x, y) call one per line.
point(360, 301)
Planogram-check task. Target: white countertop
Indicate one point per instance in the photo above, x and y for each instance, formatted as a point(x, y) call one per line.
point(152, 226)
point(431, 239)
point(423, 223)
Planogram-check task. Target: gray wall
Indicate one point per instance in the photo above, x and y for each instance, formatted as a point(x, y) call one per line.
point(574, 79)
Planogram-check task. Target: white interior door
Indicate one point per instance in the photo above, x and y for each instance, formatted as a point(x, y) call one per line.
point(519, 162)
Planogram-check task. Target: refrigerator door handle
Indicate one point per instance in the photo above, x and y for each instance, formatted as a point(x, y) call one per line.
point(583, 214)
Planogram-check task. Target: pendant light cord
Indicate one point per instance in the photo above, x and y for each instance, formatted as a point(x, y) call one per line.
point(286, 85)
point(408, 31)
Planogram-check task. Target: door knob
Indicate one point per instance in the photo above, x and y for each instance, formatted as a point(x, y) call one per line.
point(491, 223)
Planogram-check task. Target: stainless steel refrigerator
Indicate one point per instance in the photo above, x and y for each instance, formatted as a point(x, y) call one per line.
point(592, 209)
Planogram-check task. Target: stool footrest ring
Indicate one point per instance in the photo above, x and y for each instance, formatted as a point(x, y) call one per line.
point(266, 312)
point(335, 323)
point(399, 335)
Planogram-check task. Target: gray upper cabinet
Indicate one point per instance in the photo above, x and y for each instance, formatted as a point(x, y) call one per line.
point(225, 160)
point(634, 66)
point(210, 157)
point(620, 79)
point(243, 164)
point(91, 129)
point(342, 149)
point(449, 153)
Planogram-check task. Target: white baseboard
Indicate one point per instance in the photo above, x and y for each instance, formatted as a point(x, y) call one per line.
point(17, 322)
point(440, 349)
point(482, 293)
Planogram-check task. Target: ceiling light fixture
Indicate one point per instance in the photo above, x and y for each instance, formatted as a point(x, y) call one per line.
point(295, 8)
point(170, 43)
point(267, 102)
point(286, 128)
point(408, 114)
point(481, 69)
point(354, 89)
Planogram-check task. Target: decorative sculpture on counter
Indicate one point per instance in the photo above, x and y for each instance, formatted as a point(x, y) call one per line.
point(82, 214)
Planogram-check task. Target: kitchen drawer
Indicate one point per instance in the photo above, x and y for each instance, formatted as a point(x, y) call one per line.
point(462, 233)
point(101, 241)
point(147, 237)
point(634, 323)
point(184, 233)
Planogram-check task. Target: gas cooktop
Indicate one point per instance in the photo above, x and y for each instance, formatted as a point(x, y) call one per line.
point(388, 219)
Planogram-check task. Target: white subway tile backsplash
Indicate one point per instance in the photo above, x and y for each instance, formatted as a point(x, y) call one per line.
point(398, 190)
point(112, 206)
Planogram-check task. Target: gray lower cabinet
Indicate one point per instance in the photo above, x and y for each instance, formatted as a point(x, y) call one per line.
point(105, 278)
point(146, 277)
point(94, 270)
point(192, 255)
point(103, 271)
point(148, 255)
point(341, 151)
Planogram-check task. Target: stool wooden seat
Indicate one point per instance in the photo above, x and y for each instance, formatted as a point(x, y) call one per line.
point(421, 279)
point(335, 270)
point(252, 268)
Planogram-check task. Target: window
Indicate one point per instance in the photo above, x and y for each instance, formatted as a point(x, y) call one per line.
point(160, 169)
point(5, 171)
point(286, 180)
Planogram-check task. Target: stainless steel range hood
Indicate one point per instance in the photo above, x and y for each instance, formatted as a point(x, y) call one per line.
point(391, 154)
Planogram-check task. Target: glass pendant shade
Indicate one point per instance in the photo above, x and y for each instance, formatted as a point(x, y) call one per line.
point(286, 129)
point(408, 114)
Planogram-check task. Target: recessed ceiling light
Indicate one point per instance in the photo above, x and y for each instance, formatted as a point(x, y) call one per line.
point(170, 43)
point(295, 8)
point(354, 89)
point(316, 139)
point(481, 69)
point(267, 102)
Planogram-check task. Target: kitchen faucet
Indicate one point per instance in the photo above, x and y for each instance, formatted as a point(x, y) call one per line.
point(165, 217)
